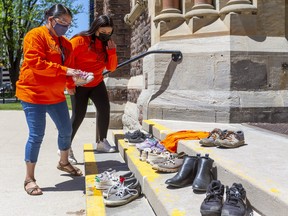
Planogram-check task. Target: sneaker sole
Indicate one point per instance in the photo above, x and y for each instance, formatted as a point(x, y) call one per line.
point(230, 146)
point(108, 202)
point(209, 213)
point(101, 186)
point(166, 170)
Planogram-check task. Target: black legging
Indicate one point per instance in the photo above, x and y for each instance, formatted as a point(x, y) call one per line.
point(99, 96)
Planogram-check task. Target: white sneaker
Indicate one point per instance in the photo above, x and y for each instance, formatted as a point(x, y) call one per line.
point(71, 158)
point(104, 146)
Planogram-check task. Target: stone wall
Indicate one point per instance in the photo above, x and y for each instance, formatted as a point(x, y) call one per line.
point(232, 67)
point(140, 43)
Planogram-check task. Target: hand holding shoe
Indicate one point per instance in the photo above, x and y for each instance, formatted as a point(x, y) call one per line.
point(82, 78)
point(72, 72)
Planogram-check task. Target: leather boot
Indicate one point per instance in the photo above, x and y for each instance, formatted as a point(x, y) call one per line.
point(186, 173)
point(204, 174)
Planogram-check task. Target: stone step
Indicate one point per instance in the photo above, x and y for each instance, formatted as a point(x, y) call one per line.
point(260, 165)
point(163, 201)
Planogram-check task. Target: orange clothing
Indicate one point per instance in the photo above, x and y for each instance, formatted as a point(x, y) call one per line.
point(92, 58)
point(171, 140)
point(42, 78)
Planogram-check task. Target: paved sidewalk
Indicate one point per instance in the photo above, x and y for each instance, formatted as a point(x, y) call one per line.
point(63, 194)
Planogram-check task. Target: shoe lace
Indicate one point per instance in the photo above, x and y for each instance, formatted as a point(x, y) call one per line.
point(233, 196)
point(106, 175)
point(216, 133)
point(122, 190)
point(214, 193)
point(169, 161)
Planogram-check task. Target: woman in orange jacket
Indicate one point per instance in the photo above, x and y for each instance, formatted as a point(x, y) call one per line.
point(93, 51)
point(41, 86)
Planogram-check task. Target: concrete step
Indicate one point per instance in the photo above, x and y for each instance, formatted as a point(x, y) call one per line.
point(261, 165)
point(97, 163)
point(164, 201)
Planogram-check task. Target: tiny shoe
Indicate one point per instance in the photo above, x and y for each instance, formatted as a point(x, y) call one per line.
point(82, 78)
point(164, 156)
point(123, 195)
point(148, 143)
point(104, 146)
point(106, 179)
point(169, 166)
point(212, 204)
point(215, 134)
point(109, 178)
point(231, 140)
point(135, 137)
point(156, 154)
point(131, 182)
point(236, 202)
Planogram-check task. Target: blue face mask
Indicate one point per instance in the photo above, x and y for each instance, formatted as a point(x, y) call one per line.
point(60, 29)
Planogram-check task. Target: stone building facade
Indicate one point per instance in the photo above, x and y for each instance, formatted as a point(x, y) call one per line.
point(234, 66)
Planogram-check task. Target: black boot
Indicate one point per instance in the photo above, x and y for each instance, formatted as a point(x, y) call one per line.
point(212, 204)
point(204, 174)
point(186, 173)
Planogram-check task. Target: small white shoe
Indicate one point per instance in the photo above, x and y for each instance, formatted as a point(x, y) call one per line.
point(104, 146)
point(83, 78)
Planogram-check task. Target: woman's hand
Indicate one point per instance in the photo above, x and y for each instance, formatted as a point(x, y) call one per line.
point(111, 44)
point(71, 91)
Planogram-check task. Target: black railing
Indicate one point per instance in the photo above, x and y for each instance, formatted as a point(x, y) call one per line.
point(176, 56)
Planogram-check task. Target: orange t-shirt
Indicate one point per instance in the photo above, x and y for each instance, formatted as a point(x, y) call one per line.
point(91, 57)
point(171, 140)
point(42, 78)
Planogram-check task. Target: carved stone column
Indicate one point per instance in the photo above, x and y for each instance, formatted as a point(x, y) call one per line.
point(170, 11)
point(239, 6)
point(202, 8)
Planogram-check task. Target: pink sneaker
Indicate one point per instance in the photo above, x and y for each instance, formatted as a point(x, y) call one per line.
point(82, 78)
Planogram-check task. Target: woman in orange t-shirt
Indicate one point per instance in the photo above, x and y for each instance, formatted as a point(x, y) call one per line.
point(93, 51)
point(41, 87)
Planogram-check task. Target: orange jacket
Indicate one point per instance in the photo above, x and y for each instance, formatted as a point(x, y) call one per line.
point(42, 77)
point(92, 58)
point(171, 140)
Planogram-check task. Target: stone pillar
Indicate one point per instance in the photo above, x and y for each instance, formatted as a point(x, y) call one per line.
point(239, 6)
point(170, 17)
point(202, 8)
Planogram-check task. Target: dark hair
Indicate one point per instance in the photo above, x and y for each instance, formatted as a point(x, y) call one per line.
point(101, 21)
point(56, 11)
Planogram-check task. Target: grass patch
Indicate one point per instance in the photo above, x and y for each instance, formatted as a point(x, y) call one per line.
point(17, 105)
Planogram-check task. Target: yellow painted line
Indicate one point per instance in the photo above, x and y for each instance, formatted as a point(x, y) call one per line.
point(177, 212)
point(94, 199)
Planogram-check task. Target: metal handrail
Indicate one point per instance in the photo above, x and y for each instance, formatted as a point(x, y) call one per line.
point(176, 56)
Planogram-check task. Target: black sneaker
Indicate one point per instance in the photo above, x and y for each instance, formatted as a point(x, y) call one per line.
point(235, 203)
point(212, 204)
point(135, 137)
